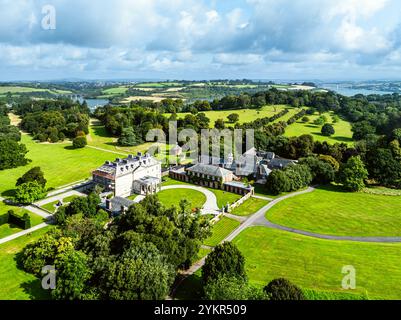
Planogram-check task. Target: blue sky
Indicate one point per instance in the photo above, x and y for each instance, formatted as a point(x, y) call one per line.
point(201, 39)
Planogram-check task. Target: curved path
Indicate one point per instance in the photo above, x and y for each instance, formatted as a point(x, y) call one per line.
point(259, 219)
point(210, 206)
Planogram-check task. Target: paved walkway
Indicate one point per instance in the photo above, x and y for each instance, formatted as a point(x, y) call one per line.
point(262, 198)
point(210, 206)
point(59, 197)
point(23, 233)
point(252, 220)
point(38, 211)
point(109, 151)
point(72, 186)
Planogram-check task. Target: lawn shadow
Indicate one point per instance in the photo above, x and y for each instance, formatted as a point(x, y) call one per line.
point(337, 138)
point(70, 148)
point(101, 131)
point(343, 139)
point(190, 289)
point(9, 193)
point(113, 144)
point(332, 188)
point(34, 290)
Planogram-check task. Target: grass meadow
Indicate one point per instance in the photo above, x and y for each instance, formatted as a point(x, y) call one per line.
point(329, 210)
point(317, 264)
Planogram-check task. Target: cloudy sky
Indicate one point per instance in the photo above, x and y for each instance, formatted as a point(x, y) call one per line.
point(200, 39)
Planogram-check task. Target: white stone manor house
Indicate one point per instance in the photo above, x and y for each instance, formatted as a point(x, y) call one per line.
point(139, 174)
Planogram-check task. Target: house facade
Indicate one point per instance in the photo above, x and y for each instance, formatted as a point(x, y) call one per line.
point(139, 174)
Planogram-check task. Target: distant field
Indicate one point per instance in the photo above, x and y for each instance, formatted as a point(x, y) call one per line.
point(330, 211)
point(15, 283)
point(115, 91)
point(317, 264)
point(147, 98)
point(342, 128)
point(61, 164)
point(245, 115)
point(16, 89)
point(158, 84)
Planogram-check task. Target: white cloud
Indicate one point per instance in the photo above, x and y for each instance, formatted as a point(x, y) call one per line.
point(190, 36)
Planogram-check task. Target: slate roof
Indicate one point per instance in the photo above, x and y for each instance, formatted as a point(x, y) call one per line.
point(280, 163)
point(210, 170)
point(118, 202)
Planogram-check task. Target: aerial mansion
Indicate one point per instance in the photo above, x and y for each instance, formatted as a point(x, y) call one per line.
point(139, 174)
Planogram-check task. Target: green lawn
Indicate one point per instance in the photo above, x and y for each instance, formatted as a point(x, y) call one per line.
point(61, 164)
point(7, 229)
point(221, 230)
point(342, 128)
point(15, 283)
point(51, 207)
point(330, 211)
point(173, 197)
point(223, 197)
point(317, 264)
point(246, 115)
point(250, 206)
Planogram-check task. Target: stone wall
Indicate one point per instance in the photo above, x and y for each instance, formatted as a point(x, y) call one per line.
point(240, 201)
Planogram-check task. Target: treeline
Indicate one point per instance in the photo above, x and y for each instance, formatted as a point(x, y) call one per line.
point(53, 120)
point(12, 152)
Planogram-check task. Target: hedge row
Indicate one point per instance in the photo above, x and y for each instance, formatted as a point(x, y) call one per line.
point(296, 117)
point(23, 222)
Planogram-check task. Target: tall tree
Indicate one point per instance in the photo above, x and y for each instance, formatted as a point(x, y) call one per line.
point(226, 259)
point(353, 174)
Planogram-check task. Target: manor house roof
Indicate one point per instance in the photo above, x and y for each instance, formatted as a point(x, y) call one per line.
point(210, 170)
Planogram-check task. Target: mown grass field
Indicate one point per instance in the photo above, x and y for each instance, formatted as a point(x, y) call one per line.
point(16, 284)
point(317, 264)
point(98, 137)
point(250, 206)
point(330, 211)
point(221, 230)
point(60, 163)
point(173, 197)
point(245, 115)
point(223, 197)
point(7, 229)
point(343, 130)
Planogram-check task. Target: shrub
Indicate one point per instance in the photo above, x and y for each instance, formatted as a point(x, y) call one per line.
point(282, 289)
point(232, 288)
point(23, 222)
point(29, 192)
point(34, 174)
point(79, 142)
point(226, 259)
point(328, 130)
